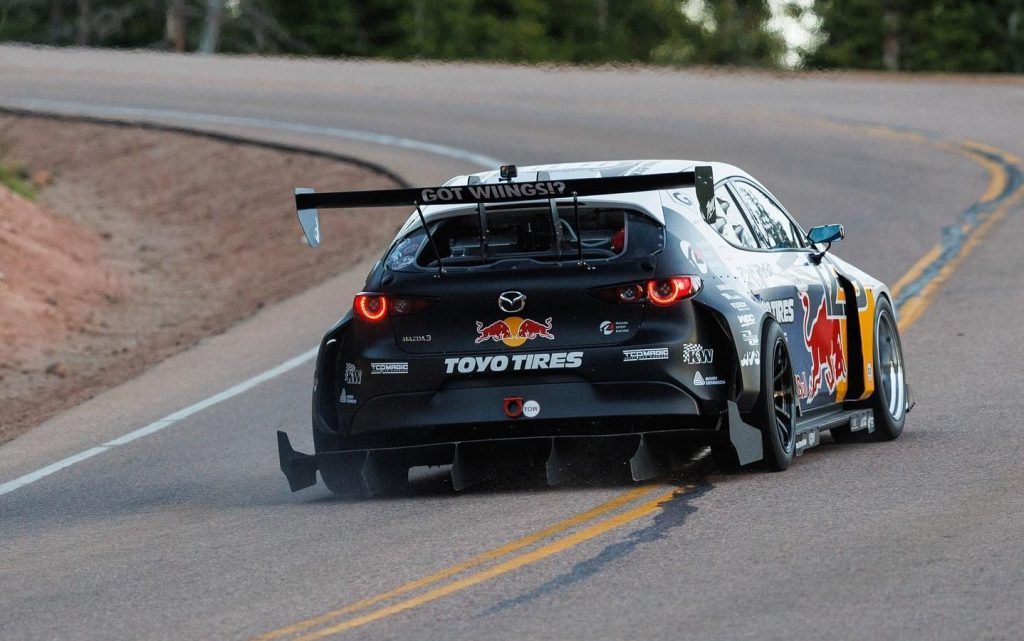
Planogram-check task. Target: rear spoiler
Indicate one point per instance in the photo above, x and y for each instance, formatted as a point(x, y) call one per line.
point(308, 201)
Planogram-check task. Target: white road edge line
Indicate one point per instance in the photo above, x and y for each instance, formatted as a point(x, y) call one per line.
point(87, 109)
point(67, 107)
point(162, 423)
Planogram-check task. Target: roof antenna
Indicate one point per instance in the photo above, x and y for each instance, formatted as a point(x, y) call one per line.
point(430, 239)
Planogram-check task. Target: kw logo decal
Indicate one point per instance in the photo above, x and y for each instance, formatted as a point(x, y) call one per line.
point(513, 331)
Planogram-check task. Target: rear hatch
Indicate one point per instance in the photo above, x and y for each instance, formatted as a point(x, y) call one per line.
point(522, 285)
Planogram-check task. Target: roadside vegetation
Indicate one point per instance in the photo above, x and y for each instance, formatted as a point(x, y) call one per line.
point(17, 179)
point(918, 35)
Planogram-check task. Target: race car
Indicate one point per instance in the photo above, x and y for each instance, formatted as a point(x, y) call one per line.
point(558, 319)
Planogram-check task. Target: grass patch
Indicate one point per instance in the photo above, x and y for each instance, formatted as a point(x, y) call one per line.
point(17, 179)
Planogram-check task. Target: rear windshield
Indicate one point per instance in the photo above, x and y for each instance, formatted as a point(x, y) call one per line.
point(526, 233)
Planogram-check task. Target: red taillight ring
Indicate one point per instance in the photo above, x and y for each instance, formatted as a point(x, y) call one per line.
point(677, 288)
point(371, 307)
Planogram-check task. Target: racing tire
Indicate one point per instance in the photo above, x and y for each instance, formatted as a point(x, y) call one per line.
point(889, 401)
point(775, 411)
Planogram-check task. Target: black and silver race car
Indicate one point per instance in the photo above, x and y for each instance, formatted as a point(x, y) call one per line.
point(561, 317)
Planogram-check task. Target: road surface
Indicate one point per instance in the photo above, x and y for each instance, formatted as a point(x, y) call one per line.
point(157, 511)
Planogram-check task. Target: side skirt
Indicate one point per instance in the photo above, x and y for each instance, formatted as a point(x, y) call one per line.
point(808, 431)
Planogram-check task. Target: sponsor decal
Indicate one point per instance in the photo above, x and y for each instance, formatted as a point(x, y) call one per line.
point(682, 198)
point(422, 338)
point(728, 296)
point(694, 255)
point(531, 409)
point(706, 380)
point(752, 339)
point(402, 262)
point(870, 369)
point(746, 320)
point(613, 327)
point(753, 357)
point(345, 398)
point(781, 309)
point(515, 363)
point(513, 331)
point(353, 376)
point(650, 354)
point(389, 368)
point(697, 354)
point(493, 192)
point(740, 305)
point(823, 338)
point(808, 439)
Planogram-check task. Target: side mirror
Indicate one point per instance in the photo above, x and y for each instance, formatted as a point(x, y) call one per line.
point(826, 234)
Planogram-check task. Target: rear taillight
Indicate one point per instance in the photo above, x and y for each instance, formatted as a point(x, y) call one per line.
point(629, 293)
point(664, 292)
point(672, 290)
point(371, 307)
point(374, 307)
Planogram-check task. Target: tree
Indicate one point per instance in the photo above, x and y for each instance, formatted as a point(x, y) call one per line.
point(726, 32)
point(920, 35)
point(210, 40)
point(175, 25)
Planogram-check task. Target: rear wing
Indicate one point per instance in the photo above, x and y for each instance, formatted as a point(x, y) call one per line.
point(308, 201)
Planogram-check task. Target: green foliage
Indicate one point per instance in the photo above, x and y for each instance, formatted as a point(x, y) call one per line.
point(577, 31)
point(926, 35)
point(17, 180)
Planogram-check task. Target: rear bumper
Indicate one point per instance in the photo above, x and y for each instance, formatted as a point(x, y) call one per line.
point(517, 410)
point(558, 457)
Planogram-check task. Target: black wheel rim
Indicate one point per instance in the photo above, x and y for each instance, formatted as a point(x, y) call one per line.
point(890, 366)
point(783, 395)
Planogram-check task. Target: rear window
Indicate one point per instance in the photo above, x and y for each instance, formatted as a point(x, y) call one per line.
point(603, 233)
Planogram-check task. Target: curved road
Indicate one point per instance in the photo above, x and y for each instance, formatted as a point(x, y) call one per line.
point(156, 510)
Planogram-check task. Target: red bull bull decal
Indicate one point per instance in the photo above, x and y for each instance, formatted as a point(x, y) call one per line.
point(513, 331)
point(823, 338)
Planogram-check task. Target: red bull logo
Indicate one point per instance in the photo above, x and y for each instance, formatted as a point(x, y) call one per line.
point(513, 331)
point(823, 337)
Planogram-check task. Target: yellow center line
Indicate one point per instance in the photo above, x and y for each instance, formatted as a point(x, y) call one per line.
point(514, 563)
point(914, 307)
point(490, 555)
point(997, 183)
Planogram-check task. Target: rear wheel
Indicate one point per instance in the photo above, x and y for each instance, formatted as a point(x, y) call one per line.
point(775, 412)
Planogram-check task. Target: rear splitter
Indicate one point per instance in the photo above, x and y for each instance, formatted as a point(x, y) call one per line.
point(559, 459)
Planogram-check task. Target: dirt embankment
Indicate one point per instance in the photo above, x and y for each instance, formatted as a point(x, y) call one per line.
point(142, 243)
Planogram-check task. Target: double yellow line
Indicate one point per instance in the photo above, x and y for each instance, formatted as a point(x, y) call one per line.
point(913, 308)
point(603, 518)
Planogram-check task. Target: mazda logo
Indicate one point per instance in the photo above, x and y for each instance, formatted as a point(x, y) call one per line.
point(512, 302)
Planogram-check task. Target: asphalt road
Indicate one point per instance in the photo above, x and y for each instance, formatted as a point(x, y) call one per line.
point(187, 530)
